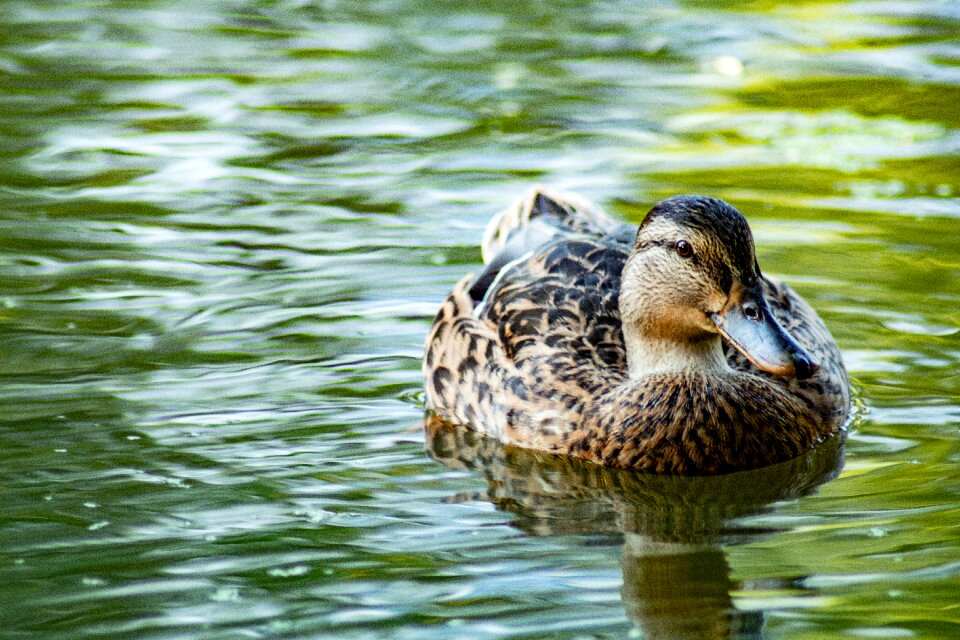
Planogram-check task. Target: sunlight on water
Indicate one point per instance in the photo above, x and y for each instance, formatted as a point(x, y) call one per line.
point(227, 225)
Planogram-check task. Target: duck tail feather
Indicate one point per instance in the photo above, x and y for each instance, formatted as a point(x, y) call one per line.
point(558, 212)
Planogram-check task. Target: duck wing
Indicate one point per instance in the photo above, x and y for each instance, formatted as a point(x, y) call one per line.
point(541, 217)
point(543, 345)
point(561, 305)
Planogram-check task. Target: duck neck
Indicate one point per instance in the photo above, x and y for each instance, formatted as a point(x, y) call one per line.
point(648, 355)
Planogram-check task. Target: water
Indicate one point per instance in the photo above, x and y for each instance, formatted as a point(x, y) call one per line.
point(225, 227)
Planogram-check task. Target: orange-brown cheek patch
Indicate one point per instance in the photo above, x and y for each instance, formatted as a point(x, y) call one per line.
point(681, 323)
point(715, 302)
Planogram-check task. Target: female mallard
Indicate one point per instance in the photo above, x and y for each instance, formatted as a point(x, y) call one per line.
point(661, 349)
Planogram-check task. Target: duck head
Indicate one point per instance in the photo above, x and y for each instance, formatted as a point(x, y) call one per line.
point(693, 277)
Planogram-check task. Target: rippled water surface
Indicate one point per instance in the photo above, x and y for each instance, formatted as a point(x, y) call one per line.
point(225, 227)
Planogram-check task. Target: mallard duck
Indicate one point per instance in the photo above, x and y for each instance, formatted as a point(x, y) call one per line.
point(661, 348)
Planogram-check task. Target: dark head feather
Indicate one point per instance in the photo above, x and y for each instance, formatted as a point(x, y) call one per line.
point(714, 218)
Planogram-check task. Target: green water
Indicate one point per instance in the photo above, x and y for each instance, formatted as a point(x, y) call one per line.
point(225, 227)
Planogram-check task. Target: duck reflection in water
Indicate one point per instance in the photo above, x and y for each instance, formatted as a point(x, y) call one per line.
point(676, 580)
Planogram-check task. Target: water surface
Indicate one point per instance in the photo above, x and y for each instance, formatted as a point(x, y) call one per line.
point(225, 227)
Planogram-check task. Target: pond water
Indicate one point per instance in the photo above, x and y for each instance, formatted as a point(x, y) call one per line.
point(226, 226)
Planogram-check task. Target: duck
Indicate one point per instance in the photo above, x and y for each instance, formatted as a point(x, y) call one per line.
point(660, 348)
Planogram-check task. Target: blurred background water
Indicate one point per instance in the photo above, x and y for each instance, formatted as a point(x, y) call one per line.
point(225, 227)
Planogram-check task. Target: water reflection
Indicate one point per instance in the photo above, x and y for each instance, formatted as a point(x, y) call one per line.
point(676, 580)
point(225, 228)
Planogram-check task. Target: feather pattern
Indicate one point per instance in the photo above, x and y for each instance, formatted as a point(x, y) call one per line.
point(533, 351)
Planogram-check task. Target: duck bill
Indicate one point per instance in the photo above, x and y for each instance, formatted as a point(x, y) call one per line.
point(747, 323)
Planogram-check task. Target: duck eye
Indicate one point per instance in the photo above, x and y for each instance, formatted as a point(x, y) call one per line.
point(683, 248)
point(751, 312)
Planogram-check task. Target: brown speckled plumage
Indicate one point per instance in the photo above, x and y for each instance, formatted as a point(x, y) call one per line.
point(533, 352)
